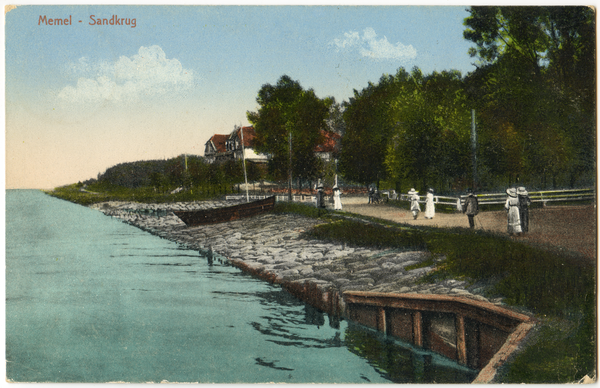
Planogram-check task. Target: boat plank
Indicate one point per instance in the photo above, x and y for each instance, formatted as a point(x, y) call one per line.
point(226, 214)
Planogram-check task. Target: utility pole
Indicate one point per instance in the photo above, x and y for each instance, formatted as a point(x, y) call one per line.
point(244, 163)
point(290, 171)
point(474, 148)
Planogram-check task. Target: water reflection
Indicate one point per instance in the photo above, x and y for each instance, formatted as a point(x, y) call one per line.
point(391, 358)
point(402, 362)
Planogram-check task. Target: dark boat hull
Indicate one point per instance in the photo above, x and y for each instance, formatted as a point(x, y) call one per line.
point(225, 214)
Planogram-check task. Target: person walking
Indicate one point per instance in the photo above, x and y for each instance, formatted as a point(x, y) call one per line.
point(471, 208)
point(415, 208)
point(429, 205)
point(512, 210)
point(337, 201)
point(371, 193)
point(524, 203)
point(320, 195)
point(459, 207)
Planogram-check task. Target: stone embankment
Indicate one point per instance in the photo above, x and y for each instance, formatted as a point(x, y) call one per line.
point(274, 247)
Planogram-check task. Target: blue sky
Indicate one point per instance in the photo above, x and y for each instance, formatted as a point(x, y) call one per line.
point(82, 98)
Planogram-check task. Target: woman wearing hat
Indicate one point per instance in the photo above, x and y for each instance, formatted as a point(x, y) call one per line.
point(512, 208)
point(320, 195)
point(429, 206)
point(337, 202)
point(415, 208)
point(524, 203)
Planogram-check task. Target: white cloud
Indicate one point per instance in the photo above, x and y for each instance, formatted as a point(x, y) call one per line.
point(369, 46)
point(148, 73)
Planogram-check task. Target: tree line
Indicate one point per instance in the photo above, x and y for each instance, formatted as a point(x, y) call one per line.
point(533, 93)
point(188, 172)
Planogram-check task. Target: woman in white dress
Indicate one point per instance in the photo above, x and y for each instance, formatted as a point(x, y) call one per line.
point(429, 205)
point(337, 201)
point(415, 208)
point(512, 208)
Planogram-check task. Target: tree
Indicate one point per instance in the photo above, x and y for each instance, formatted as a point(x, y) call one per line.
point(286, 109)
point(430, 143)
point(158, 181)
point(535, 89)
point(368, 130)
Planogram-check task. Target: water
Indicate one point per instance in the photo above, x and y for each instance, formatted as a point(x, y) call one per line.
point(90, 299)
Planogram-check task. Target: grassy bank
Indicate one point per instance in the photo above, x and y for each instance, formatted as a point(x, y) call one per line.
point(103, 193)
point(558, 288)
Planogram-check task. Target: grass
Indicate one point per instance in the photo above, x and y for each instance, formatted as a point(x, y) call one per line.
point(302, 209)
point(371, 235)
point(104, 193)
point(559, 289)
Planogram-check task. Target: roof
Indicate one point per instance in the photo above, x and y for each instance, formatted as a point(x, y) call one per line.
point(219, 142)
point(330, 142)
point(249, 135)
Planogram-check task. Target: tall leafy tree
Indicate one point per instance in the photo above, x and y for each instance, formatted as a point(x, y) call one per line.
point(368, 129)
point(430, 143)
point(535, 89)
point(286, 108)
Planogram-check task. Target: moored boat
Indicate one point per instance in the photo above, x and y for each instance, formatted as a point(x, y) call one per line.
point(225, 214)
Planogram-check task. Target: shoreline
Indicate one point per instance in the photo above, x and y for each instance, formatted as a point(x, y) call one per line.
point(272, 247)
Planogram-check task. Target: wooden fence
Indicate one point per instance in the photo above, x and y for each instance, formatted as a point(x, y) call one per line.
point(278, 198)
point(545, 197)
point(571, 195)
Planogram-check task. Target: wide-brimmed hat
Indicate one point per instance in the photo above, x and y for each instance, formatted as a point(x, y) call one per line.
point(522, 191)
point(512, 192)
point(430, 190)
point(412, 191)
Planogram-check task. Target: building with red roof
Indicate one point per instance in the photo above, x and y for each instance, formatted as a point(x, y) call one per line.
point(229, 147)
point(330, 146)
point(214, 146)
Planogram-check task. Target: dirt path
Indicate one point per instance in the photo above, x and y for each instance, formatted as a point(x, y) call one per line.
point(561, 227)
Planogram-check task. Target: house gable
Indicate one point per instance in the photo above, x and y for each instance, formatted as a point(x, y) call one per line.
point(330, 145)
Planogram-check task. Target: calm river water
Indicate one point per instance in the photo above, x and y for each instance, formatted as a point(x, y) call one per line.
point(90, 299)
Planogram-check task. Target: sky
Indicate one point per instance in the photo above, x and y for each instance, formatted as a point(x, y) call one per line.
point(81, 98)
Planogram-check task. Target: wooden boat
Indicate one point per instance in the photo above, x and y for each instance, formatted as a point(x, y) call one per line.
point(224, 214)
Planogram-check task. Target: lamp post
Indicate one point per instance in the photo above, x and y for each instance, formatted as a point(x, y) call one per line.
point(474, 148)
point(244, 163)
point(290, 171)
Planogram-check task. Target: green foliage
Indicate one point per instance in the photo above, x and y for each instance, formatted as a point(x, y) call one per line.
point(538, 279)
point(534, 91)
point(158, 181)
point(286, 109)
point(301, 209)
point(368, 129)
point(165, 175)
point(409, 127)
point(563, 352)
point(134, 174)
point(558, 287)
point(535, 102)
point(104, 193)
point(373, 235)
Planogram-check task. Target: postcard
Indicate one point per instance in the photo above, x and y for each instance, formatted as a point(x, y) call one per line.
point(320, 194)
